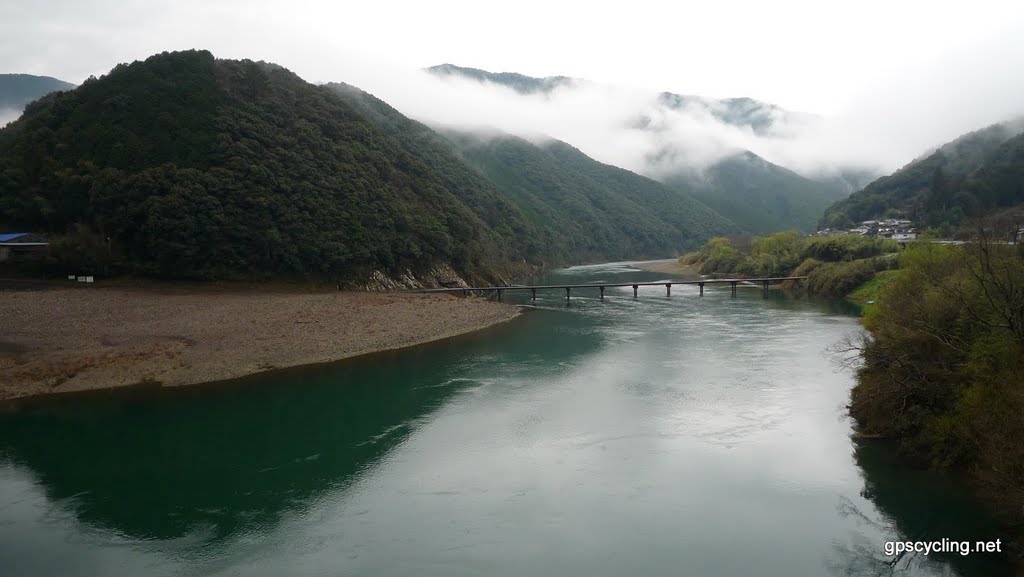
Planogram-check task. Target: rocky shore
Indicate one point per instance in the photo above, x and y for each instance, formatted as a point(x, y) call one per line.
point(63, 340)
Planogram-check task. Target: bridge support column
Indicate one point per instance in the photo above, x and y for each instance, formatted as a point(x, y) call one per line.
point(734, 283)
point(701, 285)
point(635, 287)
point(499, 295)
point(668, 289)
point(567, 294)
point(534, 291)
point(765, 292)
point(602, 292)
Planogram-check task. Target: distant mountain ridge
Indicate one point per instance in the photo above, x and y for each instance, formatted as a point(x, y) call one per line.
point(758, 196)
point(519, 82)
point(969, 176)
point(17, 90)
point(744, 112)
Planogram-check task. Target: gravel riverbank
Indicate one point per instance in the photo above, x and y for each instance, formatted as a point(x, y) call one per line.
point(62, 340)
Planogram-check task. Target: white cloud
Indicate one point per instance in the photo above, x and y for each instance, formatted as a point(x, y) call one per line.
point(8, 115)
point(885, 126)
point(889, 79)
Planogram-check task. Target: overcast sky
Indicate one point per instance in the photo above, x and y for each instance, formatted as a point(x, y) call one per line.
point(936, 68)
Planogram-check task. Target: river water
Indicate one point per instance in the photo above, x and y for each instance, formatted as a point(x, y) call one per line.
point(699, 436)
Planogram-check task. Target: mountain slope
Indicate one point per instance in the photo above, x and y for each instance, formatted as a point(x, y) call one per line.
point(939, 189)
point(583, 207)
point(17, 90)
point(580, 209)
point(202, 168)
point(759, 196)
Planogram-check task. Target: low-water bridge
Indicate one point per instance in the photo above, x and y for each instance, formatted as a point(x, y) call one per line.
point(733, 282)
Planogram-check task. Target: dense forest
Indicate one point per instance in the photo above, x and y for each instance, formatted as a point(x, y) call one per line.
point(184, 166)
point(970, 177)
point(759, 196)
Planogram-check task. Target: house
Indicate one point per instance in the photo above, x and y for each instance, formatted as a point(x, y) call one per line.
point(20, 242)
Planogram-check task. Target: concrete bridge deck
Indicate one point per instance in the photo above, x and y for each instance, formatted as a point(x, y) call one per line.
point(601, 286)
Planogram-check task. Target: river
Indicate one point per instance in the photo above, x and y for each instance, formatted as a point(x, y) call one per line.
point(698, 436)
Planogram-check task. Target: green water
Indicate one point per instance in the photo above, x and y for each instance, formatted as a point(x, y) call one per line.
point(700, 436)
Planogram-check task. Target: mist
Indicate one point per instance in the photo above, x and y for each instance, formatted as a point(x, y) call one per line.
point(885, 125)
point(868, 86)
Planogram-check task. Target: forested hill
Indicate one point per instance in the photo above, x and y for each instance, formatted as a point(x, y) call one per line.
point(759, 196)
point(970, 176)
point(202, 168)
point(586, 208)
point(185, 166)
point(582, 210)
point(17, 90)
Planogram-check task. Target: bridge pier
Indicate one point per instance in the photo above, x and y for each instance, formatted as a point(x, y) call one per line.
point(534, 291)
point(567, 294)
point(602, 292)
point(499, 295)
point(701, 285)
point(635, 287)
point(765, 291)
point(734, 283)
point(668, 289)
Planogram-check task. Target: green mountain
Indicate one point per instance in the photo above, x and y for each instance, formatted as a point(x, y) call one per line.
point(581, 209)
point(759, 196)
point(972, 175)
point(201, 168)
point(17, 90)
point(185, 166)
point(587, 208)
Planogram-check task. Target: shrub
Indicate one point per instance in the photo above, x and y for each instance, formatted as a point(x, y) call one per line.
point(838, 279)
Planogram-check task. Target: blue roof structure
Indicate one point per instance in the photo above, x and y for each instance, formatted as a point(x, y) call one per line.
point(11, 236)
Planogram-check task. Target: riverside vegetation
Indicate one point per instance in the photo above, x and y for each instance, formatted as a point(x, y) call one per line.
point(834, 265)
point(943, 367)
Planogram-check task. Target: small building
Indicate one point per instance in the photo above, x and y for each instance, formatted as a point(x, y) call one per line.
point(904, 236)
point(20, 242)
